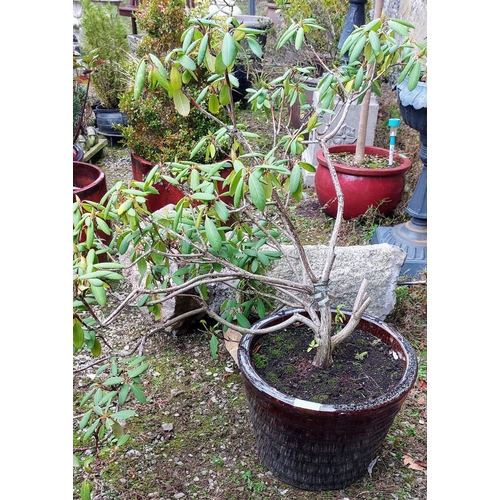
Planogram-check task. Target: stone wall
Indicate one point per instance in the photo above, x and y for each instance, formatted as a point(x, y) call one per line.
point(413, 11)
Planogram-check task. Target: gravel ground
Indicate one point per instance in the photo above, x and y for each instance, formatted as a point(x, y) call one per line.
point(116, 164)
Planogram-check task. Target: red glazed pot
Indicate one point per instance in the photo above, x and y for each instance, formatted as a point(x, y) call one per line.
point(89, 182)
point(362, 187)
point(316, 446)
point(167, 193)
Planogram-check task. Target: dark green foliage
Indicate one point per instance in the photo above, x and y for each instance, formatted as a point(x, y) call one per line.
point(104, 29)
point(155, 131)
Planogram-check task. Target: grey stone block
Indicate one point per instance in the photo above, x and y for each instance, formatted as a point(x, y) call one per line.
point(379, 264)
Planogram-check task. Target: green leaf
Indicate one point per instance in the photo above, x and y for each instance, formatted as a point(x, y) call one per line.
point(123, 439)
point(87, 396)
point(414, 76)
point(357, 49)
point(142, 266)
point(113, 381)
point(138, 393)
point(243, 320)
point(261, 308)
point(299, 38)
point(213, 235)
point(220, 67)
point(359, 77)
point(203, 196)
point(295, 177)
point(108, 397)
point(224, 95)
point(91, 430)
point(221, 210)
point(181, 103)
point(203, 49)
point(256, 190)
point(187, 63)
point(122, 397)
point(108, 265)
point(228, 49)
point(140, 78)
point(374, 41)
point(213, 104)
point(214, 343)
point(102, 274)
point(85, 419)
point(138, 371)
point(307, 166)
point(78, 335)
point(85, 490)
point(162, 72)
point(124, 414)
point(117, 430)
point(99, 294)
point(399, 28)
point(96, 348)
point(254, 46)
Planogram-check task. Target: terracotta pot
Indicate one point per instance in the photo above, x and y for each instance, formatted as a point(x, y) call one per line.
point(362, 187)
point(167, 193)
point(316, 446)
point(89, 181)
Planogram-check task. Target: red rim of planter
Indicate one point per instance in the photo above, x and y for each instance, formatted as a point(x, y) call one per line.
point(91, 169)
point(368, 172)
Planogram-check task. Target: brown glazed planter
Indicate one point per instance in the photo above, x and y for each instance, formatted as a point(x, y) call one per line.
point(316, 446)
point(362, 187)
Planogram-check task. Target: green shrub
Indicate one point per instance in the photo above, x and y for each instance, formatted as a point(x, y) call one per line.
point(155, 131)
point(103, 29)
point(329, 14)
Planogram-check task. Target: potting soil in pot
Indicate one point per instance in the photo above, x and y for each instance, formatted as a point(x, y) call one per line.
point(363, 368)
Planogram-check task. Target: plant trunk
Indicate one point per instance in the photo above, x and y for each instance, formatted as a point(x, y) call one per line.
point(323, 358)
point(365, 105)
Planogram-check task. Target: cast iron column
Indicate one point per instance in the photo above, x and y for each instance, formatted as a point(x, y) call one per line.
point(355, 17)
point(411, 236)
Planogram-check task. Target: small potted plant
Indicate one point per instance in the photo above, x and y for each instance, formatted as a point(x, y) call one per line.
point(367, 176)
point(105, 34)
point(204, 241)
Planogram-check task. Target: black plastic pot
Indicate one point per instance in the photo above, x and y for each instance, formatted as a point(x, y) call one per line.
point(322, 447)
point(243, 72)
point(106, 119)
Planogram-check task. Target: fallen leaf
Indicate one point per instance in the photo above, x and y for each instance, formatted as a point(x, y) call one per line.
point(422, 384)
point(421, 400)
point(414, 464)
point(232, 340)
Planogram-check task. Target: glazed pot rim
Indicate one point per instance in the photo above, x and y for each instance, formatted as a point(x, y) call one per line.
point(368, 172)
point(88, 166)
point(395, 394)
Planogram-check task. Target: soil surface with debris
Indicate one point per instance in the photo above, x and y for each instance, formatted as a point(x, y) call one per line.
point(363, 367)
